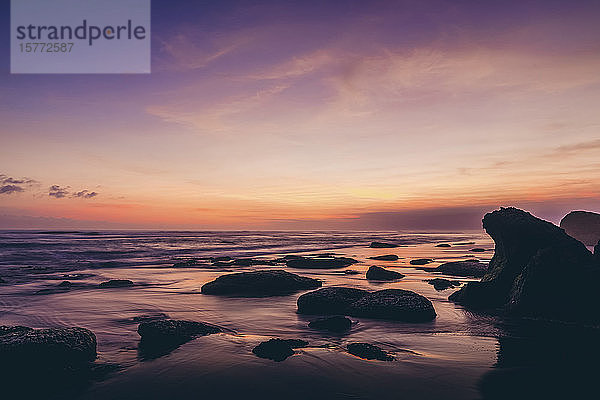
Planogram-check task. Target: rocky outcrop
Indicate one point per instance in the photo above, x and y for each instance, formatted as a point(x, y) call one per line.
point(259, 283)
point(368, 352)
point(116, 283)
point(382, 245)
point(381, 274)
point(278, 349)
point(443, 284)
point(583, 226)
point(336, 323)
point(387, 257)
point(47, 347)
point(443, 245)
point(321, 262)
point(531, 257)
point(473, 269)
point(392, 304)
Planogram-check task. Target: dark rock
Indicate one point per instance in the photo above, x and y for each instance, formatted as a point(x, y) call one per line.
point(381, 274)
point(259, 283)
point(116, 283)
point(531, 254)
point(477, 250)
point(172, 330)
point(337, 323)
point(394, 304)
point(247, 262)
point(329, 300)
point(388, 257)
point(160, 337)
point(463, 268)
point(320, 262)
point(351, 272)
point(192, 262)
point(381, 245)
point(443, 245)
point(442, 284)
point(583, 226)
point(421, 261)
point(2, 280)
point(54, 346)
point(368, 351)
point(278, 349)
point(65, 284)
point(221, 259)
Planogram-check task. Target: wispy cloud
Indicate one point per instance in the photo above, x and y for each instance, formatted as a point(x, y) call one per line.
point(9, 185)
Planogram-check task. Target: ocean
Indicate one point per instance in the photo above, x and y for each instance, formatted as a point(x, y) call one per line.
point(458, 355)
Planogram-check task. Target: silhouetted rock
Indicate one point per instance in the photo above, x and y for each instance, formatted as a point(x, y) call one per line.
point(381, 245)
point(351, 272)
point(394, 304)
point(337, 323)
point(368, 351)
point(191, 262)
point(160, 337)
point(583, 226)
point(221, 259)
point(53, 346)
point(65, 284)
point(442, 284)
point(329, 300)
point(259, 283)
point(531, 254)
point(172, 330)
point(421, 261)
point(463, 268)
point(329, 262)
point(443, 245)
point(278, 349)
point(247, 262)
point(477, 250)
point(381, 274)
point(116, 283)
point(388, 257)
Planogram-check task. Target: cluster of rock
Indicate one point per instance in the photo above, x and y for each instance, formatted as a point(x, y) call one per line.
point(473, 269)
point(392, 304)
point(530, 258)
point(443, 284)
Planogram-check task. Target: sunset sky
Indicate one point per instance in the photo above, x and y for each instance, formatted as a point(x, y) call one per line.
point(315, 115)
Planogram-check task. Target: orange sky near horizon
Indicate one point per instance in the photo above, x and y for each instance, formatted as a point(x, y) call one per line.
point(265, 117)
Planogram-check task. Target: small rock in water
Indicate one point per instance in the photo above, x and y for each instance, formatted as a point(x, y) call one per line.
point(328, 262)
point(221, 259)
point(191, 262)
point(443, 245)
point(259, 283)
point(463, 268)
point(477, 250)
point(388, 257)
point(421, 261)
point(171, 330)
point(278, 349)
point(381, 245)
point(65, 284)
point(382, 274)
point(442, 284)
point(330, 300)
point(116, 283)
point(351, 272)
point(337, 323)
point(368, 351)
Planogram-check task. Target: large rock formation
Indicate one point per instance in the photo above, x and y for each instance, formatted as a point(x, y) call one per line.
point(583, 226)
point(46, 347)
point(259, 283)
point(537, 270)
point(393, 304)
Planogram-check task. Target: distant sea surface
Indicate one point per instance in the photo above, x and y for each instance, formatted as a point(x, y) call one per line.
point(456, 356)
